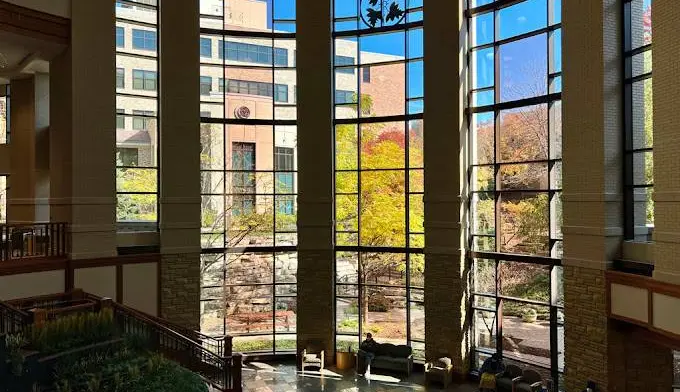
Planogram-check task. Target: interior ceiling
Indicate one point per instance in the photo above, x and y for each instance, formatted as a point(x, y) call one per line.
point(21, 55)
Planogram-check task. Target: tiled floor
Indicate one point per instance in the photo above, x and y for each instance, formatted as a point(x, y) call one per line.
point(283, 377)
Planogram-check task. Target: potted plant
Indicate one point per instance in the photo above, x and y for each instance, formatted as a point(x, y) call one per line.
point(529, 315)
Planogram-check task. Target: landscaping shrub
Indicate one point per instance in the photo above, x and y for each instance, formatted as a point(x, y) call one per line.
point(72, 331)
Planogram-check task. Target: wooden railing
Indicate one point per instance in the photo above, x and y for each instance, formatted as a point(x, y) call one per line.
point(20, 241)
point(210, 357)
point(13, 320)
point(222, 372)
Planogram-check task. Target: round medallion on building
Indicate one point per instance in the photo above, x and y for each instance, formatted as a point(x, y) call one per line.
point(242, 112)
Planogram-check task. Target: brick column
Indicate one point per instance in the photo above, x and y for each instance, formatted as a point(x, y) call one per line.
point(446, 271)
point(316, 309)
point(666, 120)
point(82, 132)
point(180, 194)
point(592, 201)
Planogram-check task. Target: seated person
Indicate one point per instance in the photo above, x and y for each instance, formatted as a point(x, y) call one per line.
point(492, 366)
point(367, 352)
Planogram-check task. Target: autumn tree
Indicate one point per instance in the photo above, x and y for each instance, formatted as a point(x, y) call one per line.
point(375, 163)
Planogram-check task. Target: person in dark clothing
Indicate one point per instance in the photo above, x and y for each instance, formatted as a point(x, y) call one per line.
point(367, 351)
point(491, 366)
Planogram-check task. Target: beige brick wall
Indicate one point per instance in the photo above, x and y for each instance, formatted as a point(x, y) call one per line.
point(665, 18)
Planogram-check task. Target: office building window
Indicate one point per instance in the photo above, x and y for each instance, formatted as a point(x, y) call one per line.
point(143, 120)
point(341, 61)
point(143, 80)
point(120, 118)
point(366, 75)
point(120, 37)
point(259, 54)
point(344, 96)
point(281, 93)
point(143, 39)
point(128, 156)
point(206, 47)
point(206, 85)
point(120, 78)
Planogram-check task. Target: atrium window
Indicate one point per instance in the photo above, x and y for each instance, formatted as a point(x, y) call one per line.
point(248, 177)
point(378, 132)
point(137, 175)
point(143, 39)
point(638, 120)
point(515, 180)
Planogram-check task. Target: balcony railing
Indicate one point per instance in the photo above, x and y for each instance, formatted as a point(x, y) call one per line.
point(21, 241)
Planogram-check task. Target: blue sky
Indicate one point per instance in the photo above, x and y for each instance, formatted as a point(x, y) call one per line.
point(523, 63)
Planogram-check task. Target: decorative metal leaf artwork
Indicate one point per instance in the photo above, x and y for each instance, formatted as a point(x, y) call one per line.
point(382, 13)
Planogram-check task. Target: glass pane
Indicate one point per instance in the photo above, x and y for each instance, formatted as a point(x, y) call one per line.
point(482, 29)
point(484, 276)
point(383, 269)
point(524, 223)
point(526, 332)
point(483, 214)
point(485, 329)
point(384, 313)
point(249, 310)
point(641, 23)
point(417, 269)
point(524, 176)
point(642, 116)
point(523, 68)
point(417, 321)
point(482, 135)
point(524, 134)
point(246, 344)
point(522, 18)
point(482, 68)
point(526, 281)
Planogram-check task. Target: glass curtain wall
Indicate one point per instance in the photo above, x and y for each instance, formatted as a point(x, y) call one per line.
point(378, 133)
point(638, 122)
point(249, 173)
point(515, 178)
point(137, 115)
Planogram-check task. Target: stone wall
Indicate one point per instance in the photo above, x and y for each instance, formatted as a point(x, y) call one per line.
point(586, 324)
point(180, 289)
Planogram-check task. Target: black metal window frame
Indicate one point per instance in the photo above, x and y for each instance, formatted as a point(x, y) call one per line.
point(153, 6)
point(631, 78)
point(552, 263)
point(274, 62)
point(350, 65)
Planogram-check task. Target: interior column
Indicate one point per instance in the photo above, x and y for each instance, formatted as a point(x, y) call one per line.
point(180, 199)
point(446, 271)
point(315, 293)
point(592, 148)
point(82, 132)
